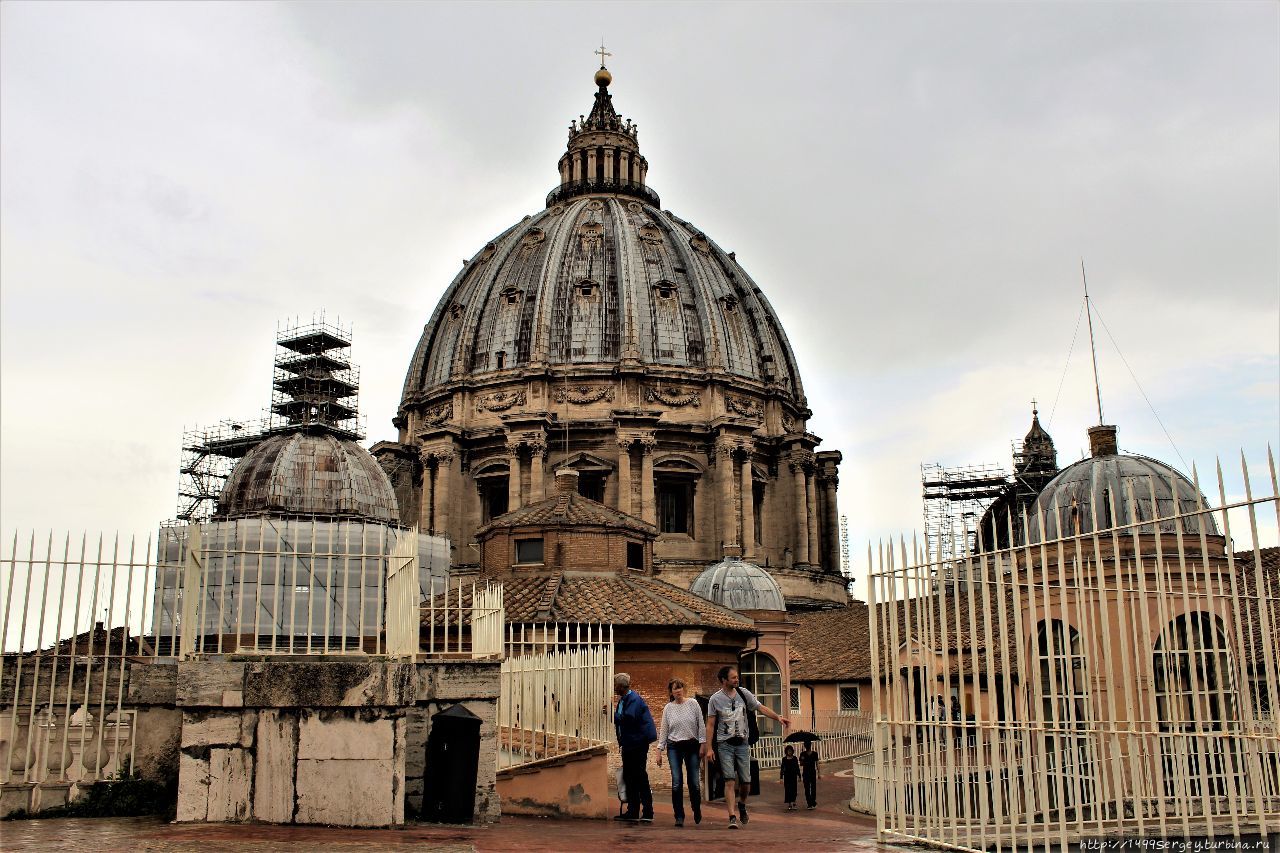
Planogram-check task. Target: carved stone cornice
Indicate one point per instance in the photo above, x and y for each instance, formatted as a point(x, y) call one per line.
point(436, 454)
point(583, 395)
point(500, 401)
point(677, 398)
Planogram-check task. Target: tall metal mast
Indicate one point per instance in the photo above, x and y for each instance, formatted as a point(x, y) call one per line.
point(1093, 349)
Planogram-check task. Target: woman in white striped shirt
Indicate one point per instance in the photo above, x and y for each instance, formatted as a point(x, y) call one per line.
point(682, 732)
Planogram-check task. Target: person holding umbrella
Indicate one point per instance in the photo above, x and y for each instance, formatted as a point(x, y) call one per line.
point(808, 765)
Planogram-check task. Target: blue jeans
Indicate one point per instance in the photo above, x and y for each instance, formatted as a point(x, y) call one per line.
point(680, 766)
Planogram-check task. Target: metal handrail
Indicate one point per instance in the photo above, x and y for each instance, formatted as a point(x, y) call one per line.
point(577, 188)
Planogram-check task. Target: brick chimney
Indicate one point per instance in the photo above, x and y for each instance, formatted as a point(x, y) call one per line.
point(566, 486)
point(1102, 440)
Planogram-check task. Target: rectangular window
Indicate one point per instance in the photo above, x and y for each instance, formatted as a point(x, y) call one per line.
point(850, 698)
point(635, 556)
point(591, 486)
point(795, 700)
point(675, 506)
point(528, 551)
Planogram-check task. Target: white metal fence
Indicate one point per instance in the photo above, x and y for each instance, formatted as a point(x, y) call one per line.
point(841, 735)
point(1112, 683)
point(77, 613)
point(557, 686)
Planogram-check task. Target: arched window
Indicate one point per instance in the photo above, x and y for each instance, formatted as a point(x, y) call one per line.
point(1063, 687)
point(1195, 688)
point(759, 673)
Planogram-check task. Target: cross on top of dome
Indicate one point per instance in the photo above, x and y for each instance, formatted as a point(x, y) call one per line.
point(603, 154)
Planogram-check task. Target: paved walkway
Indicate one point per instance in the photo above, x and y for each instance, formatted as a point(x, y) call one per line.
point(829, 827)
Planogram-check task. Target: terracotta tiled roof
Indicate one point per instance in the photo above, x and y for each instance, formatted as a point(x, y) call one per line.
point(831, 645)
point(617, 599)
point(568, 509)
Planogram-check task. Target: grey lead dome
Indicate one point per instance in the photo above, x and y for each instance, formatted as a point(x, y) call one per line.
point(739, 585)
point(307, 474)
point(603, 280)
point(1140, 488)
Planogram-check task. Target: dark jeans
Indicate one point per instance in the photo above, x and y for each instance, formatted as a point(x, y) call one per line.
point(684, 769)
point(810, 790)
point(636, 778)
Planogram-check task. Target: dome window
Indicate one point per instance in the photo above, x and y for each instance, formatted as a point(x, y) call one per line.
point(665, 289)
point(455, 310)
point(511, 295)
point(730, 304)
point(586, 288)
point(501, 359)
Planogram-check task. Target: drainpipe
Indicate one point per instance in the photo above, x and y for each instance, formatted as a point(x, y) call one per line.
point(813, 709)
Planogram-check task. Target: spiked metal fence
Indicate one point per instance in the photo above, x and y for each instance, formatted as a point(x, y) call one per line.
point(1110, 683)
point(557, 686)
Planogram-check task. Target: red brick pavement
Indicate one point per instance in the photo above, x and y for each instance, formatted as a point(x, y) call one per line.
point(829, 827)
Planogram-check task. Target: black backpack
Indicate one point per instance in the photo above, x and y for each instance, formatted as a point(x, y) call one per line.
point(753, 728)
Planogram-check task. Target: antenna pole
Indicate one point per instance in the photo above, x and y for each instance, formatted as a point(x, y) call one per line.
point(1093, 349)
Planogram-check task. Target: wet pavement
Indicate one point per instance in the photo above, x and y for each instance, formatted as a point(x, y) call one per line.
point(832, 826)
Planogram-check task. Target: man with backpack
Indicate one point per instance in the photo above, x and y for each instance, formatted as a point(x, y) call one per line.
point(731, 729)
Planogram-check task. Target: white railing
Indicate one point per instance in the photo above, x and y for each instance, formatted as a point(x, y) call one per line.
point(77, 613)
point(557, 686)
point(63, 675)
point(841, 735)
point(1117, 683)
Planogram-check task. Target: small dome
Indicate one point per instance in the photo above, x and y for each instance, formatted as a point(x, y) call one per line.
point(739, 585)
point(1128, 482)
point(311, 474)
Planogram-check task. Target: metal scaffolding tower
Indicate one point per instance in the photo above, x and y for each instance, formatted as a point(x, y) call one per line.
point(955, 500)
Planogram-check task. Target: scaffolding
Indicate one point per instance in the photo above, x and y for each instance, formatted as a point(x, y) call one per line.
point(313, 385)
point(955, 500)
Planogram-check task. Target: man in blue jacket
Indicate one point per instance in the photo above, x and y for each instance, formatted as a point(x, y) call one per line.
point(635, 729)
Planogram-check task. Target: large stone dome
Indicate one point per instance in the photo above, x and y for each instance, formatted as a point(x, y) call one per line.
point(608, 335)
point(318, 475)
point(602, 280)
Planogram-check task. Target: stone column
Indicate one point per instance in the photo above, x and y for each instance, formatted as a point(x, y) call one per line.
point(537, 468)
point(624, 475)
point(727, 473)
point(591, 164)
point(815, 554)
point(644, 173)
point(513, 475)
point(608, 165)
point(576, 157)
point(832, 522)
point(748, 510)
point(648, 507)
point(426, 516)
point(801, 525)
point(624, 167)
point(444, 481)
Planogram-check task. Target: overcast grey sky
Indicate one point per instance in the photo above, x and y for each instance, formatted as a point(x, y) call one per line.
point(913, 186)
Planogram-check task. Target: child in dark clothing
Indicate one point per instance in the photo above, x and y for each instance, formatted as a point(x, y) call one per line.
point(789, 775)
point(809, 768)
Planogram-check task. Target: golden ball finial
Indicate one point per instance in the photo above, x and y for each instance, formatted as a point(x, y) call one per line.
point(603, 77)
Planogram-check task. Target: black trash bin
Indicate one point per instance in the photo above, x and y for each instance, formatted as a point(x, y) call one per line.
point(453, 757)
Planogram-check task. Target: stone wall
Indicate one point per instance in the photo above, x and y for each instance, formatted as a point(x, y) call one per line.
point(337, 742)
point(575, 785)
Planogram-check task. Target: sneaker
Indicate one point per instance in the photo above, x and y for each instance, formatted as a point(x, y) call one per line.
point(742, 813)
point(697, 815)
point(626, 818)
point(813, 807)
point(648, 819)
point(733, 822)
point(679, 821)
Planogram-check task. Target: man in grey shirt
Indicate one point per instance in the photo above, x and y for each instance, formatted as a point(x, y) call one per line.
point(727, 739)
